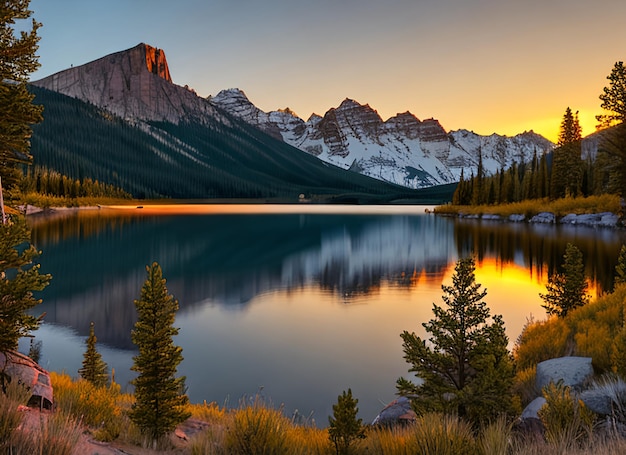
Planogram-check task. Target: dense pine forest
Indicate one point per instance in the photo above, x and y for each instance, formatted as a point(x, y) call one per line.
point(80, 141)
point(569, 170)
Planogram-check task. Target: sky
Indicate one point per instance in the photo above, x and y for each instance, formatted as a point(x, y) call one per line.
point(489, 66)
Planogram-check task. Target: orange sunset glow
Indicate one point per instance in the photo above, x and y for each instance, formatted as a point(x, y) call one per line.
point(490, 67)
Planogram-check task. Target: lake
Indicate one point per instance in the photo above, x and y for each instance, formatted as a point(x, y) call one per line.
point(294, 302)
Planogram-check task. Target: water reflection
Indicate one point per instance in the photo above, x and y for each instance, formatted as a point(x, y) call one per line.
point(305, 305)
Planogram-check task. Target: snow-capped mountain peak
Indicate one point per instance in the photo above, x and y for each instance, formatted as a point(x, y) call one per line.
point(402, 150)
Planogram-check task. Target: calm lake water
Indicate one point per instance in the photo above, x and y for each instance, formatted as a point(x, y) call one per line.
point(297, 303)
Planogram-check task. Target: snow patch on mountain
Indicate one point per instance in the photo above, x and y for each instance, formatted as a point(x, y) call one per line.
point(403, 150)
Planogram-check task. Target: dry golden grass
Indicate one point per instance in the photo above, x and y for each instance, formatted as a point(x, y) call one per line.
point(531, 207)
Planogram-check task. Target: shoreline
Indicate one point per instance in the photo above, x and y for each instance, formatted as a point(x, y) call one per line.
point(597, 220)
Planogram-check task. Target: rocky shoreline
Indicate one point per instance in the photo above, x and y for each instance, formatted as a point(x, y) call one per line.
point(598, 220)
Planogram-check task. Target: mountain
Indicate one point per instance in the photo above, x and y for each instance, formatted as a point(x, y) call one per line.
point(403, 150)
point(122, 121)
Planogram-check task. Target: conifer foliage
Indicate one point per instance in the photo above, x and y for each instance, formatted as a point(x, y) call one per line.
point(160, 401)
point(17, 61)
point(465, 367)
point(568, 290)
point(344, 428)
point(94, 370)
point(19, 278)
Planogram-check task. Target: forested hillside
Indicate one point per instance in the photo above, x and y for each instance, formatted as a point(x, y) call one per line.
point(151, 160)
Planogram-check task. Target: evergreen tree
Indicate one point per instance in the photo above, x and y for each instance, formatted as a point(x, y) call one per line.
point(344, 428)
point(160, 401)
point(465, 367)
point(613, 99)
point(19, 278)
point(620, 268)
point(567, 290)
point(567, 164)
point(17, 113)
point(34, 350)
point(570, 130)
point(94, 370)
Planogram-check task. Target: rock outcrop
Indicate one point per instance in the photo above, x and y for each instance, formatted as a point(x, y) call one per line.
point(133, 84)
point(398, 412)
point(573, 371)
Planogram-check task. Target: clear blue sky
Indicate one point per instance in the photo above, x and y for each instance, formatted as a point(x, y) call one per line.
point(501, 66)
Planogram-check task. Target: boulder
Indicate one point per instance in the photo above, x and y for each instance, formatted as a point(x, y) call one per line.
point(532, 410)
point(597, 401)
point(398, 412)
point(517, 217)
point(18, 367)
point(573, 371)
point(544, 218)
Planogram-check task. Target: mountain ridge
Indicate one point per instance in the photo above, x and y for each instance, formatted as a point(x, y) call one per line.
point(402, 149)
point(136, 84)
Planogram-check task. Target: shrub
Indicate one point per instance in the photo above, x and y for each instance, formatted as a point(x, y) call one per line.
point(495, 438)
point(97, 407)
point(438, 434)
point(566, 419)
point(525, 386)
point(255, 428)
point(392, 441)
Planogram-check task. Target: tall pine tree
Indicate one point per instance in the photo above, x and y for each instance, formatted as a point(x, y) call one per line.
point(160, 402)
point(613, 145)
point(567, 290)
point(465, 367)
point(17, 113)
point(19, 278)
point(94, 369)
point(567, 165)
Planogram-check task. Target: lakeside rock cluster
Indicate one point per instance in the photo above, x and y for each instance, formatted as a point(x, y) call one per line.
point(603, 219)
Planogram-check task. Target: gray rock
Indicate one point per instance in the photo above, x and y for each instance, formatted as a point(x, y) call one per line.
point(517, 217)
point(609, 219)
point(398, 412)
point(598, 401)
point(604, 219)
point(543, 217)
point(573, 371)
point(491, 217)
point(532, 410)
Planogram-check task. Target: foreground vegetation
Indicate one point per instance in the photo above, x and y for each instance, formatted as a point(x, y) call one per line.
point(256, 427)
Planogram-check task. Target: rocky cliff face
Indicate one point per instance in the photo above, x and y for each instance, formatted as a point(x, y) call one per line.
point(134, 84)
point(402, 150)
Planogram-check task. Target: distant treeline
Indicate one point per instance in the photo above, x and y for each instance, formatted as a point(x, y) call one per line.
point(560, 173)
point(190, 160)
point(52, 183)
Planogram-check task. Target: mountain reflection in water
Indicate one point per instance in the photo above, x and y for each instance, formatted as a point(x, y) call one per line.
point(306, 305)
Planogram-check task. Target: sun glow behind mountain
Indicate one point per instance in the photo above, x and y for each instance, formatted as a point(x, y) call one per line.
point(502, 67)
